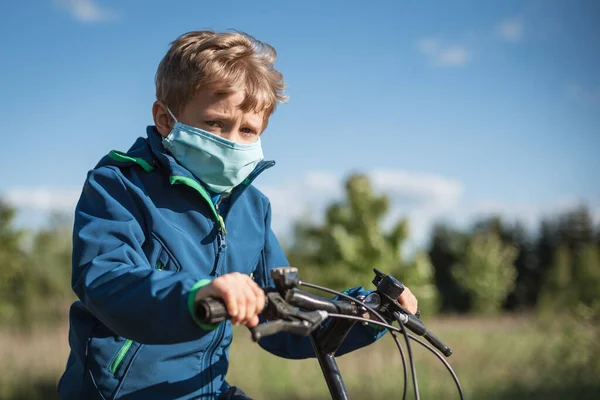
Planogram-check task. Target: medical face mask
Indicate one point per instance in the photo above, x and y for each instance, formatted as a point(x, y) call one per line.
point(219, 163)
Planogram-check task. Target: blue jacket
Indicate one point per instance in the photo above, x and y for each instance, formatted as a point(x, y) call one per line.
point(146, 236)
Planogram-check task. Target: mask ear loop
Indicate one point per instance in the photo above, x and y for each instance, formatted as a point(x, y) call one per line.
point(171, 114)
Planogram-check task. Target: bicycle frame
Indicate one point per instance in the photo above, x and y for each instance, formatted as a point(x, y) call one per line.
point(325, 342)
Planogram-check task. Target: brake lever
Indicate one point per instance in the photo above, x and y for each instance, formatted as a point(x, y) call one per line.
point(277, 308)
point(286, 318)
point(302, 328)
point(266, 329)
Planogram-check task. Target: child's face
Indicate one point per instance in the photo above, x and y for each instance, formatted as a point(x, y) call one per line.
point(216, 113)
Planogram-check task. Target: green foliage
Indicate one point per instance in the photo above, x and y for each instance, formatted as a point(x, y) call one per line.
point(51, 259)
point(34, 280)
point(486, 271)
point(573, 283)
point(575, 352)
point(587, 279)
point(573, 280)
point(343, 251)
point(14, 285)
point(558, 267)
point(447, 246)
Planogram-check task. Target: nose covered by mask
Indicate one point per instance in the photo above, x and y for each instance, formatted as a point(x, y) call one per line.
point(219, 163)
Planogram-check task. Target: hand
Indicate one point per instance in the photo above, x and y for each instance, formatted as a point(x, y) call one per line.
point(243, 298)
point(408, 300)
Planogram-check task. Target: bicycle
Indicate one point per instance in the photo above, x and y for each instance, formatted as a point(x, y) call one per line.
point(289, 309)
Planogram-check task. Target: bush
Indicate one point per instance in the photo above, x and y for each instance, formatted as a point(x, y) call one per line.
point(486, 271)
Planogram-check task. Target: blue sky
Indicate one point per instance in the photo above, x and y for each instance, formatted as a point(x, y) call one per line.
point(454, 108)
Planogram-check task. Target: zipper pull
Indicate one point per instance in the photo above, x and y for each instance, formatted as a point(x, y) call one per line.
point(221, 227)
point(221, 240)
point(222, 232)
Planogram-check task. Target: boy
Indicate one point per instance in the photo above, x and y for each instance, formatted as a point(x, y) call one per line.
point(174, 220)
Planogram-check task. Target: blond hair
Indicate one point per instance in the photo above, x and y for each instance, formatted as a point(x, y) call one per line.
point(229, 61)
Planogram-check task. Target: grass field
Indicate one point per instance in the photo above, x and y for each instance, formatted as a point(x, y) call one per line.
point(495, 358)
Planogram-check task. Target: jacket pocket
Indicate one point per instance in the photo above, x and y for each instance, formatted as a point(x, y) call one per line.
point(108, 361)
point(164, 258)
point(168, 371)
point(117, 360)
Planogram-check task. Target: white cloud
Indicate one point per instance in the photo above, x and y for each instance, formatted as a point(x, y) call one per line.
point(43, 198)
point(87, 11)
point(443, 55)
point(428, 46)
point(511, 30)
point(589, 97)
point(417, 188)
point(304, 197)
point(420, 197)
point(453, 56)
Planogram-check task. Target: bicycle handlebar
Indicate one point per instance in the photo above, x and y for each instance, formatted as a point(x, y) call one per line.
point(281, 313)
point(417, 326)
point(288, 310)
point(211, 311)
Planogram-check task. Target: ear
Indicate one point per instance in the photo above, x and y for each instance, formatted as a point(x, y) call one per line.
point(162, 119)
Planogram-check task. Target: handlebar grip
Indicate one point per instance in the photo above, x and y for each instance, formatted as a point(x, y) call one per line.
point(437, 343)
point(211, 311)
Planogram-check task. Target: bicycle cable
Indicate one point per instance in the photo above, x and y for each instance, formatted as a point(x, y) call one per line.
point(410, 336)
point(392, 329)
point(378, 315)
point(385, 324)
point(413, 370)
point(446, 364)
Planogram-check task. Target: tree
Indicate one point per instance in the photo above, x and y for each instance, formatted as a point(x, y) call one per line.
point(13, 275)
point(557, 285)
point(34, 280)
point(486, 271)
point(587, 280)
point(573, 280)
point(343, 251)
point(524, 294)
point(444, 252)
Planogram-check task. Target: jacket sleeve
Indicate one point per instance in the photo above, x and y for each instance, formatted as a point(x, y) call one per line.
point(291, 346)
point(112, 276)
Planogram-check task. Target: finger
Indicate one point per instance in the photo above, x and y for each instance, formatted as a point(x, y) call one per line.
point(231, 303)
point(408, 300)
point(253, 322)
point(411, 306)
point(250, 299)
point(259, 294)
point(242, 305)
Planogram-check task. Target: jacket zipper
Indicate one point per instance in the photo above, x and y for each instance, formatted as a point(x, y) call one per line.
point(222, 246)
point(221, 242)
point(114, 366)
point(212, 348)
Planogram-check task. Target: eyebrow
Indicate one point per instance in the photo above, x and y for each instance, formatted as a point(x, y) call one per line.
point(216, 115)
point(219, 116)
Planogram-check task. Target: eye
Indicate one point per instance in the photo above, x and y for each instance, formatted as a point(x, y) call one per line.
point(211, 123)
point(248, 131)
